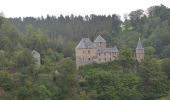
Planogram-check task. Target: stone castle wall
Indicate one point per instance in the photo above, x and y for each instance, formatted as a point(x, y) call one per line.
point(106, 57)
point(139, 54)
point(100, 45)
point(85, 56)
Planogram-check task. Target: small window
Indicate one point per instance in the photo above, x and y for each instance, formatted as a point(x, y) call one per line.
point(89, 51)
point(83, 51)
point(89, 59)
point(99, 54)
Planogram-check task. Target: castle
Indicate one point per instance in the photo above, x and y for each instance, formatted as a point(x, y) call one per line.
point(88, 52)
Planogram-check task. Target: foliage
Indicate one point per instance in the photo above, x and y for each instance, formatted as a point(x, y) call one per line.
point(149, 50)
point(165, 66)
point(151, 77)
point(126, 60)
point(57, 78)
point(165, 51)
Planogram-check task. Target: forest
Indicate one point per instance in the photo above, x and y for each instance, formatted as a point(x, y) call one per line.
point(57, 78)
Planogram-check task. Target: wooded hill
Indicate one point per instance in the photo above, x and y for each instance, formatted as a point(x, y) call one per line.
point(152, 26)
point(57, 78)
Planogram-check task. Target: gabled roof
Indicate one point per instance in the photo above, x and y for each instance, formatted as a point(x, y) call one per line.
point(100, 39)
point(139, 46)
point(104, 50)
point(86, 43)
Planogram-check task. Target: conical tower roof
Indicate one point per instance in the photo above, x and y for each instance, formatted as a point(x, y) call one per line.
point(100, 39)
point(139, 46)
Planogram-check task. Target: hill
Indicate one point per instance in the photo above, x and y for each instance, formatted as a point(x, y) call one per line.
point(55, 39)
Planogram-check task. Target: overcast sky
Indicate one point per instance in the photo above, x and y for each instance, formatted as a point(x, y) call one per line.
point(22, 8)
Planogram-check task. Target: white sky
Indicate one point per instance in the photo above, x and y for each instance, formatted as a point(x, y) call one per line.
point(22, 8)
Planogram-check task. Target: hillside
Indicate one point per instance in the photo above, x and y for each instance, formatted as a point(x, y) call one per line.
point(55, 39)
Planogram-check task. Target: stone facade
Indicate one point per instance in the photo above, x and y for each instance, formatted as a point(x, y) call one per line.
point(88, 52)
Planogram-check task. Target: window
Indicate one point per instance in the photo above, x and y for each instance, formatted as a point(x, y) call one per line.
point(89, 51)
point(83, 51)
point(89, 59)
point(99, 54)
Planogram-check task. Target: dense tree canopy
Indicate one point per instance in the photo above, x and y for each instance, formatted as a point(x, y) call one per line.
point(57, 77)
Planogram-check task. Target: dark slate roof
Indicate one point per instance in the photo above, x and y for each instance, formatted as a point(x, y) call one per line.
point(86, 43)
point(99, 39)
point(104, 50)
point(139, 46)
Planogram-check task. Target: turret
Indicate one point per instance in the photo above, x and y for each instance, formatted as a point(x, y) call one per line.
point(139, 51)
point(100, 42)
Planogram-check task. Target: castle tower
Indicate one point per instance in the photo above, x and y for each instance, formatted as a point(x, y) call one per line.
point(100, 42)
point(85, 52)
point(139, 51)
